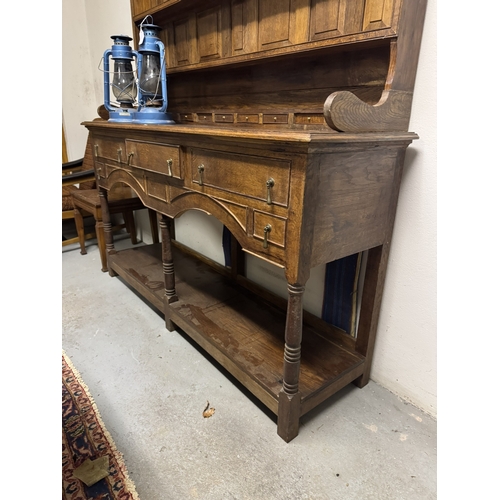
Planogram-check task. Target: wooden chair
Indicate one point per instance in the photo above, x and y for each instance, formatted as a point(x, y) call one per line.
point(121, 200)
point(77, 174)
point(81, 199)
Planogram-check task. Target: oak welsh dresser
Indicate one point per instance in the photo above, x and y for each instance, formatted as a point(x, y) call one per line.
point(291, 129)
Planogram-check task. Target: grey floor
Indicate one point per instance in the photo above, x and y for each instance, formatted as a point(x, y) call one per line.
point(151, 387)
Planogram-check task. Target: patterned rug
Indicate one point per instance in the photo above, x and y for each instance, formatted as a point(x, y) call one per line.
point(87, 446)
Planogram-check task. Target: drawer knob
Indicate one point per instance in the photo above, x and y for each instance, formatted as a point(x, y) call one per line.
point(129, 158)
point(96, 150)
point(169, 166)
point(201, 169)
point(269, 185)
point(267, 230)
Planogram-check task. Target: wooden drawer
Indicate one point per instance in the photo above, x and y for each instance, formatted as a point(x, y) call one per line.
point(242, 174)
point(248, 118)
point(224, 118)
point(110, 149)
point(276, 226)
point(205, 117)
point(186, 117)
point(155, 157)
point(100, 170)
point(275, 118)
point(309, 118)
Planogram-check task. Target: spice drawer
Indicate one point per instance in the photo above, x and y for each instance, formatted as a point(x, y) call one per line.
point(261, 178)
point(269, 228)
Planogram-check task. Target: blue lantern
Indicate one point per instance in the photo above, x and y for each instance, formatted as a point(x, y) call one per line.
point(123, 81)
point(152, 76)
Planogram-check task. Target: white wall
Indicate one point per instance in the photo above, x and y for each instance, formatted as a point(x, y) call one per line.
point(78, 95)
point(87, 26)
point(406, 347)
point(405, 352)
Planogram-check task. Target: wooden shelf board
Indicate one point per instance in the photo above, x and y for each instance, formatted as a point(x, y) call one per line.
point(141, 268)
point(240, 330)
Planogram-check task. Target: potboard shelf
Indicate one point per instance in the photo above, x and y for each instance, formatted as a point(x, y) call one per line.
point(237, 328)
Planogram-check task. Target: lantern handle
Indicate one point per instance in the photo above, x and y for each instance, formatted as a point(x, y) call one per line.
point(106, 79)
point(144, 20)
point(163, 74)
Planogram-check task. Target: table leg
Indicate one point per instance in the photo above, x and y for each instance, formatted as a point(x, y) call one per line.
point(373, 287)
point(80, 229)
point(101, 244)
point(168, 268)
point(289, 397)
point(370, 307)
point(108, 232)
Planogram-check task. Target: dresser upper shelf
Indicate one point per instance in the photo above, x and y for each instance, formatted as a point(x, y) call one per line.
point(346, 65)
point(202, 32)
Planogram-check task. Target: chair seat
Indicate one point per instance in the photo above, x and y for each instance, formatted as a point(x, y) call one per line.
point(121, 199)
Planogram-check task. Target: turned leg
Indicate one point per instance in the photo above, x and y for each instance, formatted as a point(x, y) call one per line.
point(108, 233)
point(80, 229)
point(101, 244)
point(289, 397)
point(168, 269)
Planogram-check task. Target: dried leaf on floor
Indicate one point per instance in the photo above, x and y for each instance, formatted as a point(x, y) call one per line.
point(208, 412)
